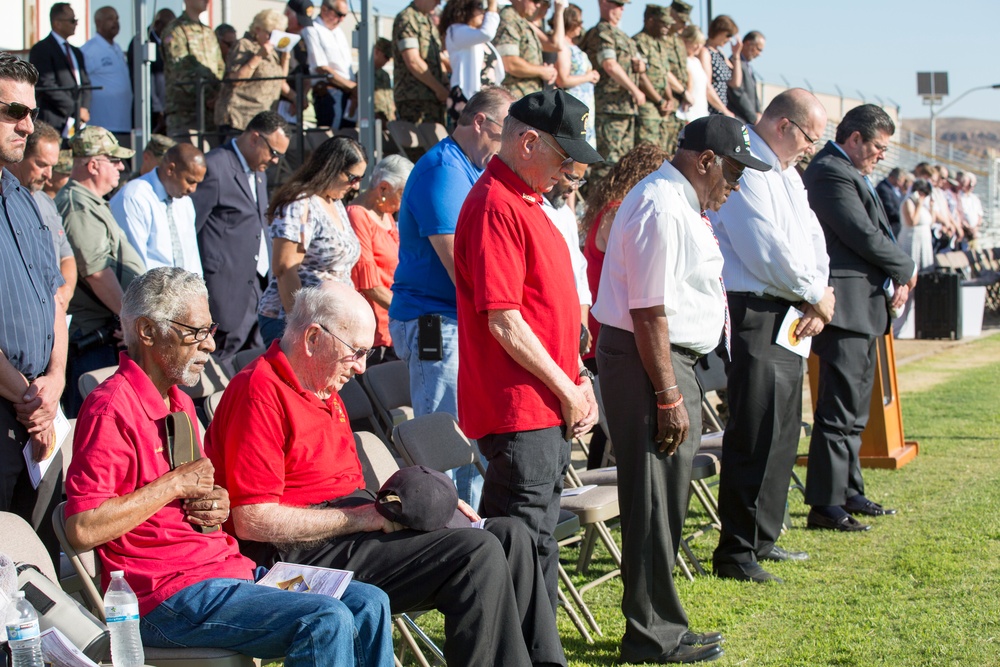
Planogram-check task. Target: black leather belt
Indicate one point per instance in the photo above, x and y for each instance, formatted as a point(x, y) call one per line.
point(684, 352)
point(764, 297)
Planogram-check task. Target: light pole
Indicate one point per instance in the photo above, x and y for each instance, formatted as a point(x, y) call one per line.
point(952, 103)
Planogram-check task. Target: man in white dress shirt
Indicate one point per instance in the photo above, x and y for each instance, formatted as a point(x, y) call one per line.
point(662, 306)
point(156, 211)
point(330, 54)
point(111, 106)
point(775, 259)
point(564, 218)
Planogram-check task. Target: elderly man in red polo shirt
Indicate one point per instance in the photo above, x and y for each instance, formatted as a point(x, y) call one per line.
point(522, 387)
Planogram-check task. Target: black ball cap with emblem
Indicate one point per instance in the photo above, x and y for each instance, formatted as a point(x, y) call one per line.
point(304, 10)
point(723, 136)
point(561, 115)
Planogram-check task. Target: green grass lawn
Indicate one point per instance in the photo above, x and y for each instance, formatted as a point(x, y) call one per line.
point(920, 588)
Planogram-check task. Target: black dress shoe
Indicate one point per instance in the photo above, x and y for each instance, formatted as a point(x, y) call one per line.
point(684, 654)
point(845, 524)
point(779, 555)
point(703, 639)
point(745, 572)
point(868, 508)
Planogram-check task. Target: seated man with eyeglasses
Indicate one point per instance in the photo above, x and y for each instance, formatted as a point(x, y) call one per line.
point(282, 445)
point(105, 259)
point(147, 517)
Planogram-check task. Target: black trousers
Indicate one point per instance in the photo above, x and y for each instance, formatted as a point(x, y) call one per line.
point(653, 492)
point(16, 494)
point(487, 583)
point(762, 435)
point(846, 376)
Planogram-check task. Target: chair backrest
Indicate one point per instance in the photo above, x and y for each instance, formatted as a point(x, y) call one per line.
point(88, 381)
point(360, 410)
point(213, 378)
point(212, 404)
point(430, 134)
point(243, 358)
point(404, 133)
point(86, 564)
point(22, 544)
point(377, 462)
point(435, 441)
point(388, 385)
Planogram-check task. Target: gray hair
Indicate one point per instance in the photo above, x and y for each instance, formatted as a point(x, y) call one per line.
point(160, 294)
point(393, 169)
point(269, 20)
point(512, 131)
point(316, 305)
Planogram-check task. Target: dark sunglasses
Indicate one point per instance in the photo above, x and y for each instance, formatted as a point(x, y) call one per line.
point(17, 111)
point(274, 154)
point(352, 179)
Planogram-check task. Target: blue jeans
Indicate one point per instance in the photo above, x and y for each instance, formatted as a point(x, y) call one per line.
point(307, 629)
point(271, 329)
point(434, 388)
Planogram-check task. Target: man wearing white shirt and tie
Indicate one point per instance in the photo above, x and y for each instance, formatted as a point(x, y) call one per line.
point(111, 104)
point(775, 259)
point(156, 211)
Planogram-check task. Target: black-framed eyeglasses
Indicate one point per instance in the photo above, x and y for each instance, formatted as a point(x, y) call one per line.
point(199, 333)
point(274, 154)
point(352, 179)
point(575, 181)
point(799, 128)
point(881, 148)
point(567, 160)
point(732, 173)
point(359, 353)
point(18, 111)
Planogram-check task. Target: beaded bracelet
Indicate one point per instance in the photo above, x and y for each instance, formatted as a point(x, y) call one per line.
point(670, 406)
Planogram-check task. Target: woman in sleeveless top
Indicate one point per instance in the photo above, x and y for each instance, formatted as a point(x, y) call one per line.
point(574, 71)
point(726, 73)
point(467, 28)
point(697, 89)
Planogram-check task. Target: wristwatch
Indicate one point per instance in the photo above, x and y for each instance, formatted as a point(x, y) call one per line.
point(585, 372)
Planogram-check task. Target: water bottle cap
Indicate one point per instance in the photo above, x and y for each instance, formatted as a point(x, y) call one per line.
point(117, 573)
point(19, 595)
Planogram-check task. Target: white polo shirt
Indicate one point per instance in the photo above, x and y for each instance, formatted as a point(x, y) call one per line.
point(661, 252)
point(564, 220)
point(110, 107)
point(328, 48)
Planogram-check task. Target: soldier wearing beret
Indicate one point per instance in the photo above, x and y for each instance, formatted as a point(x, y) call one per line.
point(617, 94)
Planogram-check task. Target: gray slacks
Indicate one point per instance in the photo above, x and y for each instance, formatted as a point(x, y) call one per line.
point(653, 492)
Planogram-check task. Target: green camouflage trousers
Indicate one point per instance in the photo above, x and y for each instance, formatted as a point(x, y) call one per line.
point(615, 138)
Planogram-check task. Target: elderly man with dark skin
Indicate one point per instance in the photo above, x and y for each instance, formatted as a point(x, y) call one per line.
point(522, 388)
point(160, 521)
point(33, 331)
point(662, 306)
point(282, 445)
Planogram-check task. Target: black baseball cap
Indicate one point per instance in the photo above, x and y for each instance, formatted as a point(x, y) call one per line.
point(421, 499)
point(561, 115)
point(723, 135)
point(304, 9)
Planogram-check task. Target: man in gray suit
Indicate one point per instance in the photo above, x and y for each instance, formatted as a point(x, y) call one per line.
point(231, 221)
point(744, 101)
point(870, 275)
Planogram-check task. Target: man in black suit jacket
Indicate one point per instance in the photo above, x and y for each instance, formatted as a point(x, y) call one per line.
point(890, 191)
point(57, 69)
point(865, 264)
point(744, 101)
point(231, 221)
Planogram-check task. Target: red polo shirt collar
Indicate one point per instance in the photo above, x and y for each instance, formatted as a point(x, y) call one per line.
point(499, 170)
point(149, 396)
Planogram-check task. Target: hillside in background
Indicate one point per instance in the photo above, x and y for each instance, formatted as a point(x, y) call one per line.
point(968, 134)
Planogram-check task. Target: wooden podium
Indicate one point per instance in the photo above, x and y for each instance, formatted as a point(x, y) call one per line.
point(882, 443)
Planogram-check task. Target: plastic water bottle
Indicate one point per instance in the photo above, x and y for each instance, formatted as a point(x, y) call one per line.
point(121, 612)
point(23, 633)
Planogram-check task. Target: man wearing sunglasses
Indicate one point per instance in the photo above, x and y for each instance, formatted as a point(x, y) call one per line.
point(776, 259)
point(61, 65)
point(231, 220)
point(105, 259)
point(33, 329)
point(662, 306)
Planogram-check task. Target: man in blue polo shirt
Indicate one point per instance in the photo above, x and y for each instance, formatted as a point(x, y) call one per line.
point(33, 327)
point(422, 318)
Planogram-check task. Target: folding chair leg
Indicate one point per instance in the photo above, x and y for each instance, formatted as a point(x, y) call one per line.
point(609, 542)
point(703, 497)
point(427, 641)
point(684, 568)
point(797, 484)
point(578, 599)
point(411, 642)
point(691, 557)
point(586, 550)
point(573, 616)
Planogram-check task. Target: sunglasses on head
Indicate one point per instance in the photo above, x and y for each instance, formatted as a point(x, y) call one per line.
point(17, 111)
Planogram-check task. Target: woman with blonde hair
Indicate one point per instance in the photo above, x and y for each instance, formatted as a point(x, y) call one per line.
point(253, 57)
point(697, 88)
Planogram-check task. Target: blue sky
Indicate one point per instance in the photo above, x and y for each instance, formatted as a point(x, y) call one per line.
point(872, 47)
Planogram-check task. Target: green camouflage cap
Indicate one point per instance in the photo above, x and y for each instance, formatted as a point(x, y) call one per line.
point(159, 144)
point(682, 8)
point(65, 164)
point(620, 3)
point(92, 141)
point(657, 12)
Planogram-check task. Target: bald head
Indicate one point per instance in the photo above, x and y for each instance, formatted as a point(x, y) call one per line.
point(184, 156)
point(338, 307)
point(792, 125)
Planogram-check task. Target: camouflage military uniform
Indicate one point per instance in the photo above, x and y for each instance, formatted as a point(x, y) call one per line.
point(416, 102)
point(616, 110)
point(650, 125)
point(676, 55)
point(192, 50)
point(515, 37)
point(385, 106)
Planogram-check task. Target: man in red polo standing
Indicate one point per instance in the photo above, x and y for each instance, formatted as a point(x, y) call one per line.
point(522, 388)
